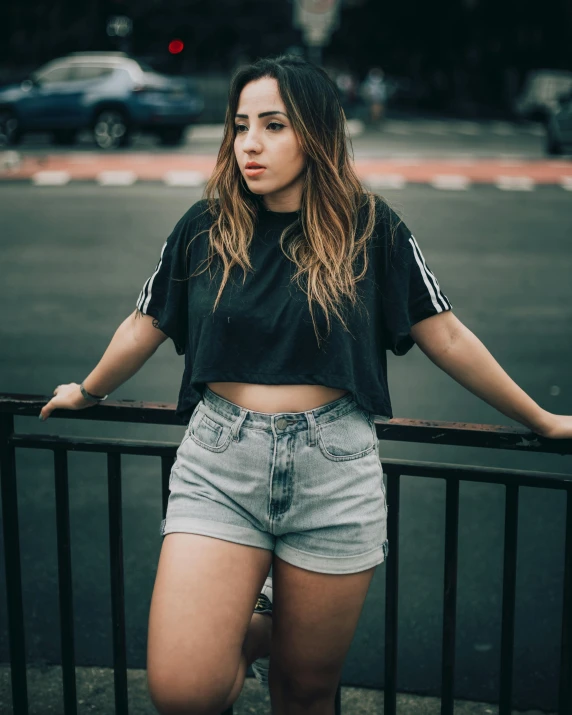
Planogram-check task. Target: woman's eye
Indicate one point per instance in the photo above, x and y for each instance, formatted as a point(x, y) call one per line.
point(276, 126)
point(239, 127)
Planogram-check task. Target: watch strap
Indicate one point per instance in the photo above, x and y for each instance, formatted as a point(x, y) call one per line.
point(89, 396)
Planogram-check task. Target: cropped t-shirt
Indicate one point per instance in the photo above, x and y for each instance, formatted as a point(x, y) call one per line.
point(262, 331)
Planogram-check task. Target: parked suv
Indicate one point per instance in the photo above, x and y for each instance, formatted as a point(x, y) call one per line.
point(109, 93)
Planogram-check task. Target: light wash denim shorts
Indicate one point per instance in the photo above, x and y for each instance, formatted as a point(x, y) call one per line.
point(306, 485)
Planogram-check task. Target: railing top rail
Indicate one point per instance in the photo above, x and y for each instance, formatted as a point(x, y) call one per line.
point(399, 429)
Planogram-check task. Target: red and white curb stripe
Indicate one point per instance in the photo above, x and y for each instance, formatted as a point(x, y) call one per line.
point(197, 179)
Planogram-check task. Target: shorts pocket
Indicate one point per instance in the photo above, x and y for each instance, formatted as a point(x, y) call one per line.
point(348, 437)
point(209, 430)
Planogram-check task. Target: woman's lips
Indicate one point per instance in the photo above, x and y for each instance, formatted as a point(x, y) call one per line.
point(255, 171)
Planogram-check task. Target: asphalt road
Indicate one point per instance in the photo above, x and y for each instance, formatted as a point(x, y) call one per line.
point(74, 259)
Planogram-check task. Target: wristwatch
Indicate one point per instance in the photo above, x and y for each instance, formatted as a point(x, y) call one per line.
point(89, 396)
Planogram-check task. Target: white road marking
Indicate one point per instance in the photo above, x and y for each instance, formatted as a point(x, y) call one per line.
point(514, 183)
point(386, 181)
point(451, 182)
point(116, 178)
point(51, 178)
point(184, 178)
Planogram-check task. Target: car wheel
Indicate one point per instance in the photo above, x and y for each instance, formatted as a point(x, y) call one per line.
point(64, 137)
point(110, 129)
point(172, 136)
point(9, 128)
point(553, 146)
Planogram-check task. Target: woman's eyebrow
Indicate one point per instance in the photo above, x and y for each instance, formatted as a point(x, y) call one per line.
point(263, 114)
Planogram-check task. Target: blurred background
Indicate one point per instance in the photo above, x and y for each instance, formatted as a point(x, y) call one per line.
point(460, 115)
point(456, 58)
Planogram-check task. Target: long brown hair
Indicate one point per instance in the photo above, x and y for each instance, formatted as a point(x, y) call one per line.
point(328, 236)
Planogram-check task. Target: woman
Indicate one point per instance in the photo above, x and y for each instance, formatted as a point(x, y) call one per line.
point(284, 374)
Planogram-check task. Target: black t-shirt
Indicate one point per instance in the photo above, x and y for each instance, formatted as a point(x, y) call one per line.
point(262, 332)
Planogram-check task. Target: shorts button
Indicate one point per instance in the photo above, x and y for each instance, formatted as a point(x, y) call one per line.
point(281, 423)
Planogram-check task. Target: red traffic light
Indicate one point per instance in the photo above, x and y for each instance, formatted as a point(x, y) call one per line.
point(176, 46)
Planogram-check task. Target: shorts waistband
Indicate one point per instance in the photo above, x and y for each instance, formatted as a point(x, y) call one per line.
point(293, 421)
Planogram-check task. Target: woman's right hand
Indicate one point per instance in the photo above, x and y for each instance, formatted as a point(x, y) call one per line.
point(66, 397)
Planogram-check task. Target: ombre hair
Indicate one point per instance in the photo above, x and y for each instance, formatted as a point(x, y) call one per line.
point(337, 216)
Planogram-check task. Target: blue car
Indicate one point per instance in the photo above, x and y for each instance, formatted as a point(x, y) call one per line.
point(109, 93)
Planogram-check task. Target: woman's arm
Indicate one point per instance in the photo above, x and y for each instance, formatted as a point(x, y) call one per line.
point(458, 352)
point(133, 343)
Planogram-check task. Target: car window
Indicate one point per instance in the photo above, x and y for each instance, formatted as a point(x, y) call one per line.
point(124, 74)
point(57, 74)
point(145, 66)
point(90, 71)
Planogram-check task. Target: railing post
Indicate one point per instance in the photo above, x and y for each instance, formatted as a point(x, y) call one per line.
point(11, 535)
point(65, 581)
point(391, 593)
point(450, 597)
point(508, 598)
point(117, 583)
point(565, 689)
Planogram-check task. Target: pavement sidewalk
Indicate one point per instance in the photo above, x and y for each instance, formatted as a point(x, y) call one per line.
point(95, 694)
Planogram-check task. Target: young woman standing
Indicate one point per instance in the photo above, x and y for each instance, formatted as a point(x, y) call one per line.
point(285, 370)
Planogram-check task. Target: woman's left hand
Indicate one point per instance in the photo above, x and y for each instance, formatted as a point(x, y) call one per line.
point(557, 427)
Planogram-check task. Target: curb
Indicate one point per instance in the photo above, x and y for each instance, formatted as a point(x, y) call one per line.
point(450, 173)
point(196, 179)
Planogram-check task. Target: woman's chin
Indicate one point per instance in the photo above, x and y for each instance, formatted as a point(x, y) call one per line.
point(257, 189)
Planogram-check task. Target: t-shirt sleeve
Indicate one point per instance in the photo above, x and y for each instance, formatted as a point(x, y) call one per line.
point(410, 291)
point(164, 295)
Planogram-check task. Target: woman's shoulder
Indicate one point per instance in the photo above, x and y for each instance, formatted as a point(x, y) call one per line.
point(201, 213)
point(385, 218)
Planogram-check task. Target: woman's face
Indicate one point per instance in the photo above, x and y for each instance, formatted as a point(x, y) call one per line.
point(264, 137)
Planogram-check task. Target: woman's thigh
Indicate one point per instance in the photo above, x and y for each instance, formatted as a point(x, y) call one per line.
point(203, 599)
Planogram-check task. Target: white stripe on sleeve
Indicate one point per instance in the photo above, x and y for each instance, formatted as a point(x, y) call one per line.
point(439, 294)
point(149, 284)
point(426, 280)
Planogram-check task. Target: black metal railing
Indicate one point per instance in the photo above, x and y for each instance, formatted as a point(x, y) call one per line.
point(442, 433)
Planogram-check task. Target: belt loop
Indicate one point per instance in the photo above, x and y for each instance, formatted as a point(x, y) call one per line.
point(311, 428)
point(235, 429)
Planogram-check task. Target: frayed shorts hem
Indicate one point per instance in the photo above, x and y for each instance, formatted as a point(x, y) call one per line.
point(295, 557)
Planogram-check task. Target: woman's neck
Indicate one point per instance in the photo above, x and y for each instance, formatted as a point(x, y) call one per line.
point(286, 201)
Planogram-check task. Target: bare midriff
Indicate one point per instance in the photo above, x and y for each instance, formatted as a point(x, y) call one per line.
point(276, 398)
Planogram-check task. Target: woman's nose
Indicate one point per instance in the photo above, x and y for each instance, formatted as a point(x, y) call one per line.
point(251, 142)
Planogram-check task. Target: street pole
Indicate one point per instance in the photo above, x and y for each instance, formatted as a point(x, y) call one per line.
point(317, 19)
point(315, 54)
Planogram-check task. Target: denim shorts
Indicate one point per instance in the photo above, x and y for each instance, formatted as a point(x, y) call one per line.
point(306, 485)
